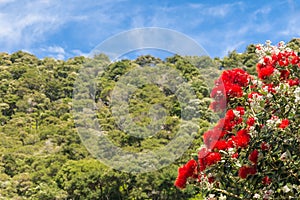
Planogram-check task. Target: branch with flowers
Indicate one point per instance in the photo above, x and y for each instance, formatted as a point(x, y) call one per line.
point(253, 152)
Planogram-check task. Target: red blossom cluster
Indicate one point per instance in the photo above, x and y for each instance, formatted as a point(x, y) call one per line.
point(253, 157)
point(264, 146)
point(229, 85)
point(250, 121)
point(269, 87)
point(232, 132)
point(266, 180)
point(207, 158)
point(221, 136)
point(284, 123)
point(293, 82)
point(184, 172)
point(241, 139)
point(244, 171)
point(278, 61)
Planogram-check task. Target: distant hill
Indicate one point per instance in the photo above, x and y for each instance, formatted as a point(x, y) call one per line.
point(41, 153)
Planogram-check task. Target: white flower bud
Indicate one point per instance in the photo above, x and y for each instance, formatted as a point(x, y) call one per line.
point(286, 189)
point(222, 197)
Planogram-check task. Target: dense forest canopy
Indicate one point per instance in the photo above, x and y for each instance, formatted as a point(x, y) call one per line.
point(41, 153)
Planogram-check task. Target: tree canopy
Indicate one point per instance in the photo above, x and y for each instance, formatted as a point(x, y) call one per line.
point(41, 153)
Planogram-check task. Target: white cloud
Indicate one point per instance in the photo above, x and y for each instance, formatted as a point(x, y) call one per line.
point(27, 22)
point(292, 24)
point(218, 11)
point(262, 11)
point(77, 52)
point(21, 25)
point(30, 24)
point(194, 16)
point(221, 10)
point(6, 1)
point(56, 49)
point(57, 52)
point(292, 28)
point(195, 5)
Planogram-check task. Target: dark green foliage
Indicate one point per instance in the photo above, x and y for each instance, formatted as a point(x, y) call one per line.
point(246, 60)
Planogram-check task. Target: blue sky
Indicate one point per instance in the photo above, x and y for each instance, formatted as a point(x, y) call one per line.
point(65, 28)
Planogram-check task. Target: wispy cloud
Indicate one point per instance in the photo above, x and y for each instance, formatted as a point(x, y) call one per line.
point(219, 11)
point(243, 26)
point(292, 26)
point(24, 23)
point(291, 20)
point(34, 21)
point(79, 26)
point(6, 1)
point(262, 11)
point(57, 52)
point(77, 52)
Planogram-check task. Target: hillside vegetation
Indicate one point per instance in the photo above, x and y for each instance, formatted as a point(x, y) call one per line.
point(41, 153)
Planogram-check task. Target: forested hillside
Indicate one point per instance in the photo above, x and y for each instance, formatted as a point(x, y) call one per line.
point(41, 153)
point(42, 156)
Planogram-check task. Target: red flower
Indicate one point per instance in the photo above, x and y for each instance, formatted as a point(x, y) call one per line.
point(284, 74)
point(202, 164)
point(213, 158)
point(266, 180)
point(221, 145)
point(233, 90)
point(259, 66)
point(250, 121)
point(283, 63)
point(180, 182)
point(211, 179)
point(235, 76)
point(184, 172)
point(295, 60)
point(244, 171)
point(229, 85)
point(293, 82)
point(230, 143)
point(203, 153)
point(265, 72)
point(241, 139)
point(211, 137)
point(235, 155)
point(253, 156)
point(253, 95)
point(267, 60)
point(269, 87)
point(264, 146)
point(206, 158)
point(229, 115)
point(231, 119)
point(284, 123)
point(218, 92)
point(190, 167)
point(241, 109)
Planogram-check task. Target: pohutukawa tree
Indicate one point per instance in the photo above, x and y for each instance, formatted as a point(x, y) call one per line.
point(253, 152)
